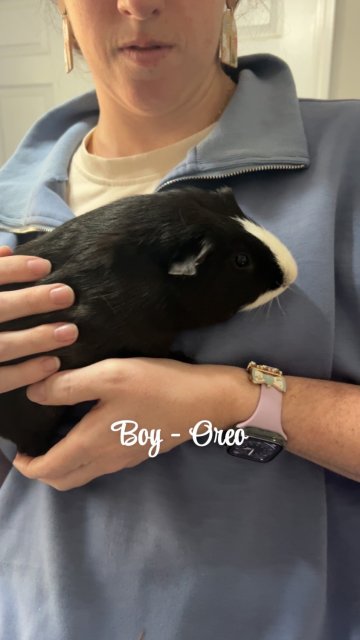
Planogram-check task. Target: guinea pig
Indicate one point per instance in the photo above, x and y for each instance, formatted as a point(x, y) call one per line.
point(143, 269)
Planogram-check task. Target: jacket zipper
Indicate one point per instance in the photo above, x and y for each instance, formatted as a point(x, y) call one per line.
point(265, 167)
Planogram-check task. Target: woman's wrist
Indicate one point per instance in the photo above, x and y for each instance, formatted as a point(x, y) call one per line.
point(319, 417)
point(243, 396)
point(235, 398)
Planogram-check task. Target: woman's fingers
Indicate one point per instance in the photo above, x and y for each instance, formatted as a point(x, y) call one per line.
point(34, 370)
point(43, 338)
point(22, 268)
point(32, 300)
point(5, 250)
point(29, 301)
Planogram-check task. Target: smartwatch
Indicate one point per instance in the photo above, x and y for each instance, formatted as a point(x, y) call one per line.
point(264, 435)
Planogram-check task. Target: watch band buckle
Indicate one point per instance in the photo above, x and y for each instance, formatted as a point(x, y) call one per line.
point(263, 374)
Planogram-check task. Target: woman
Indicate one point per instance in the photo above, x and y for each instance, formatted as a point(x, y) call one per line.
point(194, 543)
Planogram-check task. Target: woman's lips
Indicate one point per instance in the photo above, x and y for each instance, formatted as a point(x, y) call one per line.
point(146, 56)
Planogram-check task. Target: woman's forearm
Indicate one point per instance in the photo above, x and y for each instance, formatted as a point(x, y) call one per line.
point(321, 418)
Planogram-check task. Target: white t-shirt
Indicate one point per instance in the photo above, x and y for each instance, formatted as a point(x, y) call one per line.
point(103, 180)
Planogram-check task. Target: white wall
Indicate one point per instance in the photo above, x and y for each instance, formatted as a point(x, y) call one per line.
point(345, 68)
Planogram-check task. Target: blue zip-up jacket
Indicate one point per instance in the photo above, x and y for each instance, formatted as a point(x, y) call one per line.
point(196, 544)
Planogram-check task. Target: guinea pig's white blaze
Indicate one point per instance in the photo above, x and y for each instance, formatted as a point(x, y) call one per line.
point(283, 257)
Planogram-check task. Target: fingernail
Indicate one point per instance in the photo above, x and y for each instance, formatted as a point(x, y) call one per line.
point(51, 364)
point(39, 266)
point(66, 332)
point(36, 392)
point(61, 295)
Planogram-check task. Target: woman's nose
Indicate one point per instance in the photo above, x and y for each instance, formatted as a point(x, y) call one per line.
point(140, 9)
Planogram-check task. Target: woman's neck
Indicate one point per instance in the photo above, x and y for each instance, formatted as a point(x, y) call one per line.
point(121, 132)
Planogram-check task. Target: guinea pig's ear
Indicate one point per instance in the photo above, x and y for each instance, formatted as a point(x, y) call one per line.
point(193, 256)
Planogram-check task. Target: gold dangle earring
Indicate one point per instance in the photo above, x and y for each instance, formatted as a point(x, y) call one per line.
point(228, 40)
point(68, 50)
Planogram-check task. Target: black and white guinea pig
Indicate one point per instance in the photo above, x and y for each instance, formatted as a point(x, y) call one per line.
point(143, 269)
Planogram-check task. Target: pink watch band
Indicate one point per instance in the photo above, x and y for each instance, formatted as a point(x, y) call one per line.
point(267, 414)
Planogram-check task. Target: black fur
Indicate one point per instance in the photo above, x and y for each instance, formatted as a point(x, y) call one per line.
point(117, 260)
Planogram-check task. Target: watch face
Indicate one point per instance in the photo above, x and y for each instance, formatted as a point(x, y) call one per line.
point(256, 450)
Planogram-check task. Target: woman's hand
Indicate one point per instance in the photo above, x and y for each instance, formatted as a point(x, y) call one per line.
point(26, 302)
point(155, 393)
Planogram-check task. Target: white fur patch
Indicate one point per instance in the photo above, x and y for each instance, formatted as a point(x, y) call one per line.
point(282, 255)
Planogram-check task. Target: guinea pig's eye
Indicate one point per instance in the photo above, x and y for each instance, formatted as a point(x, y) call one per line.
point(241, 260)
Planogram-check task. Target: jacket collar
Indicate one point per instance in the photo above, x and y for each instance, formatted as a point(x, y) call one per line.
point(260, 126)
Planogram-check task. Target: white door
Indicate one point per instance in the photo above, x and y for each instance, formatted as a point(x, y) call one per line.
point(299, 31)
point(32, 76)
